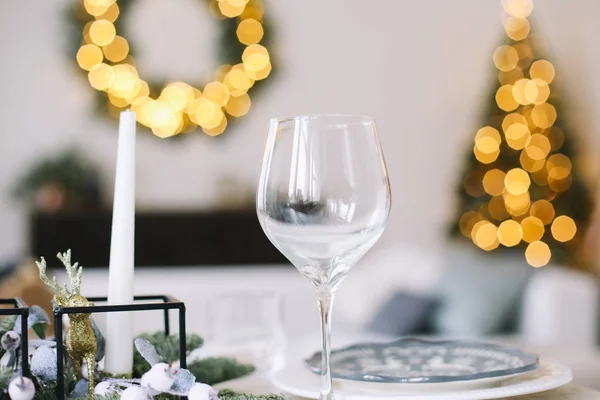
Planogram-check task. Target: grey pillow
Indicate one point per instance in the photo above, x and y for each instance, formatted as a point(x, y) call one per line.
point(480, 293)
point(404, 314)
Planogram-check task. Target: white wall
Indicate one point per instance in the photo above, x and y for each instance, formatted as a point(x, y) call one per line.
point(420, 67)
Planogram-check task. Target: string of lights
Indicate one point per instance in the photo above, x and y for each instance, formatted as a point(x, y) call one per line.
point(175, 107)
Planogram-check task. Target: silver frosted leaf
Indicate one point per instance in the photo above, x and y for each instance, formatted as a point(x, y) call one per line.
point(43, 363)
point(147, 351)
point(184, 380)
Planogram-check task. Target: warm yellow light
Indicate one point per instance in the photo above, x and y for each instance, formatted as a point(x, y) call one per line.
point(532, 228)
point(117, 101)
point(538, 147)
point(543, 210)
point(493, 182)
point(560, 185)
point(543, 70)
point(254, 10)
point(144, 91)
point(517, 181)
point(126, 83)
point(229, 10)
point(488, 132)
point(95, 10)
point(517, 136)
point(510, 233)
point(525, 91)
point(543, 91)
point(467, 221)
point(563, 228)
point(505, 58)
point(178, 95)
point(222, 71)
point(487, 145)
point(544, 115)
point(505, 99)
point(263, 73)
point(540, 177)
point(206, 111)
point(529, 164)
point(558, 166)
point(518, 8)
point(513, 118)
point(538, 254)
point(485, 235)
point(111, 14)
point(249, 31)
point(238, 106)
point(255, 57)
point(117, 50)
point(101, 76)
point(89, 56)
point(510, 77)
point(102, 32)
point(485, 158)
point(516, 205)
point(218, 129)
point(239, 80)
point(497, 209)
point(517, 28)
point(216, 92)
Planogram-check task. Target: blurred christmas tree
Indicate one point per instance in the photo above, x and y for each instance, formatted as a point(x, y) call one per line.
point(520, 188)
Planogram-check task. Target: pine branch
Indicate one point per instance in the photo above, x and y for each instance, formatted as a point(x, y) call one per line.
point(216, 370)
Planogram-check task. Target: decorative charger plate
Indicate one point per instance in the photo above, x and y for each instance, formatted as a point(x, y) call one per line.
point(425, 361)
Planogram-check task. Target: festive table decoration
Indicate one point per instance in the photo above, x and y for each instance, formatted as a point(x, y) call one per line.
point(81, 339)
point(171, 108)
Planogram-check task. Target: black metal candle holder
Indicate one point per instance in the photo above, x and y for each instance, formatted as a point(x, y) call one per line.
point(19, 308)
point(168, 303)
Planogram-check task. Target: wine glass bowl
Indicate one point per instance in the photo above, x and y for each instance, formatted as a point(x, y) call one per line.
point(323, 200)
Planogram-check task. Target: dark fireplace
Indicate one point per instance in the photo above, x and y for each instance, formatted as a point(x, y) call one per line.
point(162, 238)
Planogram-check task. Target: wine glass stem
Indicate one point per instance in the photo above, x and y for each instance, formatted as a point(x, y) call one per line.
point(325, 303)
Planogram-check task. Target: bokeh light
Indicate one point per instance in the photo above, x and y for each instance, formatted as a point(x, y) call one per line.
point(542, 69)
point(216, 92)
point(558, 166)
point(255, 57)
point(538, 254)
point(517, 28)
point(89, 56)
point(563, 228)
point(510, 233)
point(532, 228)
point(467, 221)
point(544, 115)
point(493, 182)
point(517, 181)
point(485, 235)
point(517, 205)
point(505, 58)
point(517, 136)
point(505, 99)
point(250, 31)
point(238, 106)
point(538, 148)
point(543, 210)
point(102, 32)
point(530, 165)
point(101, 76)
point(116, 50)
point(518, 8)
point(497, 209)
point(510, 77)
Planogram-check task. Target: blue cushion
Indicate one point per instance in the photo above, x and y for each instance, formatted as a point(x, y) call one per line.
point(404, 314)
point(480, 293)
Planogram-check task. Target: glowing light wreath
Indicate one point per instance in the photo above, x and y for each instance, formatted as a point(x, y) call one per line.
point(170, 108)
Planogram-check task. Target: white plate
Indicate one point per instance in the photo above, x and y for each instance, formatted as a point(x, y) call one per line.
point(296, 379)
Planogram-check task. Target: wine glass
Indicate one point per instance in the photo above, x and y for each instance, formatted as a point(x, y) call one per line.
point(323, 200)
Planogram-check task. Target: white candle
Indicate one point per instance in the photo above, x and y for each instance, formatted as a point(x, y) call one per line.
point(119, 325)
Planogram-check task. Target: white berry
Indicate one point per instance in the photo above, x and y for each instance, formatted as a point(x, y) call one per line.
point(134, 393)
point(103, 388)
point(21, 388)
point(202, 391)
point(160, 377)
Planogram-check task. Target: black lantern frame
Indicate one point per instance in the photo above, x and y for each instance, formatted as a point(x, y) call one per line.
point(167, 303)
point(19, 308)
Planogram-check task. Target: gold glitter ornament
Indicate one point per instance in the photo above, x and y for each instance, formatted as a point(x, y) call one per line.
point(81, 340)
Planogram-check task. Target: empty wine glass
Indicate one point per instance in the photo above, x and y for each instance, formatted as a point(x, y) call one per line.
point(323, 200)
